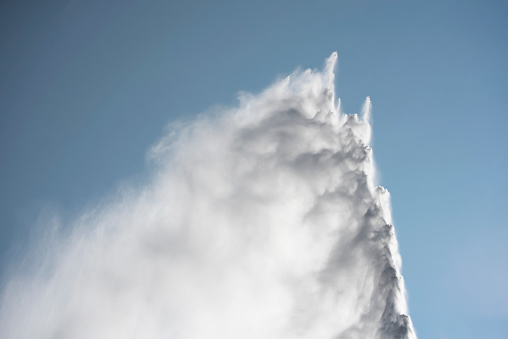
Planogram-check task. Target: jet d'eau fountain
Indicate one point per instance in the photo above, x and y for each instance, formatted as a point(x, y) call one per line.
point(261, 221)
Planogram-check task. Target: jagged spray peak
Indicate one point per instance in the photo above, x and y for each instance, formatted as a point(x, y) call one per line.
point(329, 71)
point(366, 110)
point(261, 222)
point(366, 119)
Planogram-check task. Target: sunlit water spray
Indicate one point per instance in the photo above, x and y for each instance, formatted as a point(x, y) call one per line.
point(261, 221)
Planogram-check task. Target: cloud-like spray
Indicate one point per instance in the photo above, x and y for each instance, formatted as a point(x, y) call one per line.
point(260, 222)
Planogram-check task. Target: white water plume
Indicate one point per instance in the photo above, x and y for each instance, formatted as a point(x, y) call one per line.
point(260, 222)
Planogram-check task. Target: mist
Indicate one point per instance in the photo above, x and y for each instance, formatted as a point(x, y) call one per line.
point(258, 221)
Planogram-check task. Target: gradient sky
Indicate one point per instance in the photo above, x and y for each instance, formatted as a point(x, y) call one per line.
point(87, 86)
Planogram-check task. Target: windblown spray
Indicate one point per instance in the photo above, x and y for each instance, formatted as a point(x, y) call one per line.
point(260, 221)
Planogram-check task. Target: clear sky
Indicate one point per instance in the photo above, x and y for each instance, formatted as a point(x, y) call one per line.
point(87, 86)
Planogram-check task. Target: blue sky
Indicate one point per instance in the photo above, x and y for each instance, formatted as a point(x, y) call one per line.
point(87, 86)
